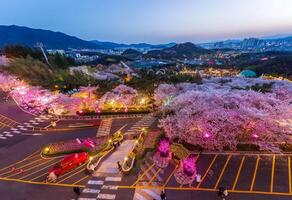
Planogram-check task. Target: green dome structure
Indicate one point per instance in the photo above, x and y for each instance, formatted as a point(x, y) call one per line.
point(247, 74)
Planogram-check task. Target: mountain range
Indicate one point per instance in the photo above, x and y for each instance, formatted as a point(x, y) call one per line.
point(11, 35)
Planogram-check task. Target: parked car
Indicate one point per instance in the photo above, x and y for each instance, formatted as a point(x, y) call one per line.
point(68, 163)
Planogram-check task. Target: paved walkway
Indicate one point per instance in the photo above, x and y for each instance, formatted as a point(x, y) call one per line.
point(109, 165)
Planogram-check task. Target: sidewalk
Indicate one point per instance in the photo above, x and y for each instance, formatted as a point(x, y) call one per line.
point(109, 165)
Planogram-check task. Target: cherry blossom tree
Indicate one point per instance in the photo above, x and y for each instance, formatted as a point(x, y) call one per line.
point(121, 96)
point(216, 116)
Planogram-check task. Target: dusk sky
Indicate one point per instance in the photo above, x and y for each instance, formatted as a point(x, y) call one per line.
point(152, 21)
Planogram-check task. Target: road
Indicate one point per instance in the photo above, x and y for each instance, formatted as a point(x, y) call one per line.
point(23, 171)
point(21, 165)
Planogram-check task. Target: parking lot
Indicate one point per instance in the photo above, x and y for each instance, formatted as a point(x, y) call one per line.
point(35, 168)
point(259, 174)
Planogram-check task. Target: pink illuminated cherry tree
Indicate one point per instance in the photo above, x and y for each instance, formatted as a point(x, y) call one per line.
point(216, 116)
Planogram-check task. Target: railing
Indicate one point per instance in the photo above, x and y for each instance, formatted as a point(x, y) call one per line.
point(97, 156)
point(129, 161)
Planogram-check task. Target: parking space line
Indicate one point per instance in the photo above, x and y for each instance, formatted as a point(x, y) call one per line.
point(155, 175)
point(42, 163)
point(39, 170)
point(171, 174)
point(146, 171)
point(222, 172)
point(254, 173)
point(272, 174)
point(21, 167)
point(289, 174)
point(208, 169)
point(33, 155)
point(238, 172)
point(40, 183)
point(78, 170)
point(38, 176)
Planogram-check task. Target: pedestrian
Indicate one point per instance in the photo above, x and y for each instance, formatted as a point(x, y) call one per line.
point(222, 193)
point(76, 190)
point(119, 166)
point(163, 195)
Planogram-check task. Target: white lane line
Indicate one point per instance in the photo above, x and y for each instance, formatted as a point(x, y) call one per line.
point(93, 182)
point(9, 135)
point(3, 138)
point(113, 178)
point(106, 196)
point(14, 129)
point(82, 198)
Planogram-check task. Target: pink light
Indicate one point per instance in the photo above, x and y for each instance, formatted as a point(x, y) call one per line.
point(207, 135)
point(255, 136)
point(163, 146)
point(189, 165)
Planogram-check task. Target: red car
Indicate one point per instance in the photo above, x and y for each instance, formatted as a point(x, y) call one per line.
point(68, 163)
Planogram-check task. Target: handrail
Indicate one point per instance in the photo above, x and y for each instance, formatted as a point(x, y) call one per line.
point(132, 155)
point(117, 136)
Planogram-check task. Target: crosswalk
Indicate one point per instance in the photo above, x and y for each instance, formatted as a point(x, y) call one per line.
point(105, 127)
point(150, 175)
point(145, 122)
point(101, 188)
point(22, 128)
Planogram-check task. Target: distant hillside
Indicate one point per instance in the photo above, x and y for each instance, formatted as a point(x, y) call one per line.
point(179, 51)
point(132, 53)
point(52, 40)
point(112, 45)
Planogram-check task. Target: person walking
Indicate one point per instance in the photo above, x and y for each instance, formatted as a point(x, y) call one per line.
point(163, 195)
point(76, 190)
point(119, 166)
point(222, 193)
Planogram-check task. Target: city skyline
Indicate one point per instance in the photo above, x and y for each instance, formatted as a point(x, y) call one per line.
point(153, 22)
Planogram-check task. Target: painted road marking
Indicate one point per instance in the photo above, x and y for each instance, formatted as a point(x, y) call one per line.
point(254, 173)
point(82, 198)
point(106, 196)
point(110, 187)
point(16, 131)
point(85, 177)
point(140, 178)
point(238, 172)
point(92, 191)
point(93, 182)
point(272, 174)
point(21, 178)
point(289, 174)
point(222, 172)
point(207, 171)
point(171, 174)
point(113, 178)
